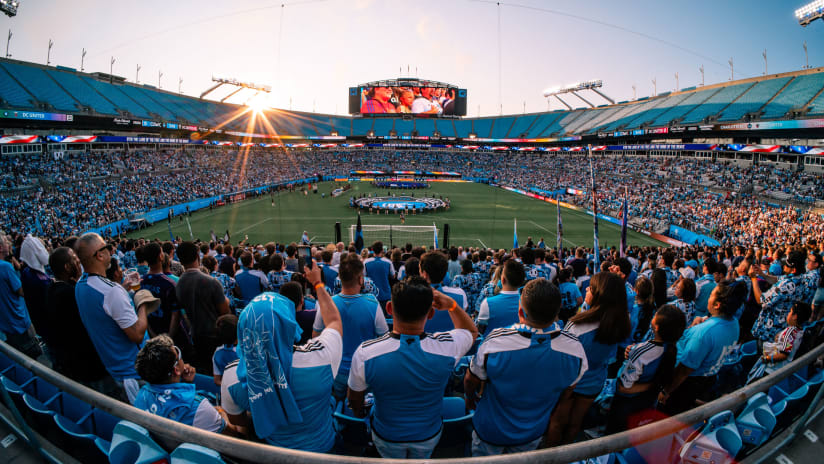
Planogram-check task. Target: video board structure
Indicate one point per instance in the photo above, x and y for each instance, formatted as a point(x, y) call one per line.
point(412, 96)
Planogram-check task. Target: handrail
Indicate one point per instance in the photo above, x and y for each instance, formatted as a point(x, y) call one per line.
point(257, 452)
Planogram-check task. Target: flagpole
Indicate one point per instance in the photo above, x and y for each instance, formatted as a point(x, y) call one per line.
point(559, 232)
point(624, 220)
point(596, 249)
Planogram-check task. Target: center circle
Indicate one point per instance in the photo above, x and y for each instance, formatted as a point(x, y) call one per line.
point(404, 203)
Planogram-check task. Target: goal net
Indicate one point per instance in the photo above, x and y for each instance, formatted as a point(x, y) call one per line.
point(397, 235)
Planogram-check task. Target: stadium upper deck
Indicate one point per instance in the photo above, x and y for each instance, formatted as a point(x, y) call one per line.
point(795, 95)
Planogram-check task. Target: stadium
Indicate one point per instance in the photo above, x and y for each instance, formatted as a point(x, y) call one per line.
point(213, 276)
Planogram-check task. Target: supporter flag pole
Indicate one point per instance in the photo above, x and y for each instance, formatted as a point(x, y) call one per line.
point(560, 232)
point(435, 230)
point(624, 214)
point(359, 235)
point(596, 251)
point(515, 235)
point(171, 235)
point(191, 236)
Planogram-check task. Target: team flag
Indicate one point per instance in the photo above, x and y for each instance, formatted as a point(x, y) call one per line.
point(435, 230)
point(515, 235)
point(359, 235)
point(595, 247)
point(624, 214)
point(560, 232)
point(212, 234)
point(226, 236)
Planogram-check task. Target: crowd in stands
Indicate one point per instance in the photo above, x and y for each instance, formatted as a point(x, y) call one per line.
point(662, 191)
point(637, 338)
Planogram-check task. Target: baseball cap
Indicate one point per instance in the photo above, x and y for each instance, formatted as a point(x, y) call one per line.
point(692, 263)
point(145, 297)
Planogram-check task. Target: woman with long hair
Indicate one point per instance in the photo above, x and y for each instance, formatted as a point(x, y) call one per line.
point(599, 330)
point(643, 309)
point(659, 285)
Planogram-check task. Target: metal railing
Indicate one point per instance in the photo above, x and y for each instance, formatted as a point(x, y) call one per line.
point(172, 433)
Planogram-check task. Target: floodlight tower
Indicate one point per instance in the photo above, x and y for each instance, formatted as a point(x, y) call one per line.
point(810, 12)
point(9, 7)
point(592, 85)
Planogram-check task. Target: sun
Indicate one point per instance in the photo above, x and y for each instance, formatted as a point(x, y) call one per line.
point(258, 103)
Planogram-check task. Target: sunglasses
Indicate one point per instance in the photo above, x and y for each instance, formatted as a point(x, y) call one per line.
point(104, 247)
point(179, 358)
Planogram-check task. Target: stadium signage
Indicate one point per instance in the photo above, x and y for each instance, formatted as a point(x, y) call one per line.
point(122, 122)
point(774, 125)
point(189, 128)
point(150, 124)
point(12, 114)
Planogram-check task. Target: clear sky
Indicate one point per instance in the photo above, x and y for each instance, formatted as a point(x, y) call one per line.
point(311, 51)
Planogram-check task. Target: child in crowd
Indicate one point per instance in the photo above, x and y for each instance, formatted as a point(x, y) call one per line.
point(571, 298)
point(648, 366)
point(786, 343)
point(226, 328)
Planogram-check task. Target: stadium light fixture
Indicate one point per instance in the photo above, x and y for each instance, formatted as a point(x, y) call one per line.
point(810, 12)
point(48, 54)
point(9, 7)
point(220, 81)
point(82, 59)
point(573, 88)
point(8, 41)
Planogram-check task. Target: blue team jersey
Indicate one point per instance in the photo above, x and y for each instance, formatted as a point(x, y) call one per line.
point(380, 270)
point(641, 365)
point(704, 346)
point(278, 278)
point(223, 356)
point(598, 357)
point(506, 360)
point(314, 366)
point(106, 309)
point(362, 319)
point(705, 285)
point(180, 403)
point(14, 316)
point(569, 296)
point(441, 322)
point(407, 375)
point(500, 310)
point(329, 274)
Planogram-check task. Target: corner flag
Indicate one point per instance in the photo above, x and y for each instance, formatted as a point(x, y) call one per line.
point(515, 235)
point(359, 235)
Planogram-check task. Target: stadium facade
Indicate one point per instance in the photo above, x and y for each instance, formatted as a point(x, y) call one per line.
point(776, 118)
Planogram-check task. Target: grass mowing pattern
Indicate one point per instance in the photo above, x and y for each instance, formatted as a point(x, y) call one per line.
point(480, 215)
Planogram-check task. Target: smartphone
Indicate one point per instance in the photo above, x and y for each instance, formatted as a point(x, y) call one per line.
point(305, 254)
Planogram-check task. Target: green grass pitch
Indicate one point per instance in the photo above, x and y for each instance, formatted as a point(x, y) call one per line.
point(480, 215)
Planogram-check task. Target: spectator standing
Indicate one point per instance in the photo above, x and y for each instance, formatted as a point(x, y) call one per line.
point(202, 297)
point(513, 413)
point(407, 370)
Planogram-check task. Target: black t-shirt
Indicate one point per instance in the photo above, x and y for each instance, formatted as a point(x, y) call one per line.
point(579, 267)
point(227, 266)
point(68, 340)
point(200, 295)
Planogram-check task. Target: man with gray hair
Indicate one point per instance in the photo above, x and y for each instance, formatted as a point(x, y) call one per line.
point(108, 313)
point(14, 315)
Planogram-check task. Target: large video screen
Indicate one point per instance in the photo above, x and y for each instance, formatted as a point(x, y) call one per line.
point(419, 101)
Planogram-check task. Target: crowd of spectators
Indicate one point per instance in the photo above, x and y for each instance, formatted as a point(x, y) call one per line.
point(712, 198)
point(643, 337)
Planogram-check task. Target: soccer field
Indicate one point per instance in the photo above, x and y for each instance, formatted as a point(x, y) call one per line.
point(479, 215)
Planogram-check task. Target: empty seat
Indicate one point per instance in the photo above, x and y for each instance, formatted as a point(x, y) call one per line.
point(40, 418)
point(718, 442)
point(131, 444)
point(351, 429)
point(457, 423)
point(69, 406)
point(17, 375)
point(83, 446)
point(188, 453)
point(757, 421)
point(100, 424)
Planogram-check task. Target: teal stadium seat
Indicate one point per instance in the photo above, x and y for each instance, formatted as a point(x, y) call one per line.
point(756, 421)
point(188, 453)
point(84, 446)
point(718, 442)
point(131, 444)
